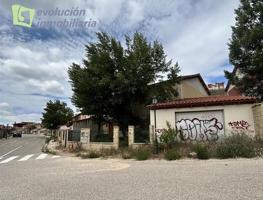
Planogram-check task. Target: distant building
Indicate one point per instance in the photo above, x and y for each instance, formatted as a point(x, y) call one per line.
point(232, 89)
point(216, 86)
point(24, 127)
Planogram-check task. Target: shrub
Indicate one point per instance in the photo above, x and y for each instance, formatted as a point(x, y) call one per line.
point(108, 152)
point(142, 154)
point(236, 145)
point(127, 153)
point(201, 152)
point(168, 137)
point(172, 154)
point(90, 154)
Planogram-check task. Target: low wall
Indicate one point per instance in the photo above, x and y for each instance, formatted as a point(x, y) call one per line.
point(88, 145)
point(98, 145)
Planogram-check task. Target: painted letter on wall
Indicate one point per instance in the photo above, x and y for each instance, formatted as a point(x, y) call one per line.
point(200, 126)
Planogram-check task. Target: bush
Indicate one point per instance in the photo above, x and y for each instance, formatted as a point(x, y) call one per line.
point(237, 145)
point(201, 152)
point(168, 137)
point(142, 154)
point(127, 153)
point(90, 154)
point(108, 152)
point(172, 154)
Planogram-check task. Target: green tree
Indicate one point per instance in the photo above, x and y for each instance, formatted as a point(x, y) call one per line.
point(55, 114)
point(246, 48)
point(115, 82)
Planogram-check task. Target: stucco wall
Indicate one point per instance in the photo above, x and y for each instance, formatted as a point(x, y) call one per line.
point(236, 118)
point(192, 88)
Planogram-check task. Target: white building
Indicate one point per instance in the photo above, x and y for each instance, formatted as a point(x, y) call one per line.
point(205, 118)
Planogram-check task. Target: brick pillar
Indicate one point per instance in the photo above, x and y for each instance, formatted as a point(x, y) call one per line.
point(151, 134)
point(130, 135)
point(116, 137)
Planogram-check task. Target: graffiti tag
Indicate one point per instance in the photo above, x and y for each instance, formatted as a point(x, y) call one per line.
point(199, 130)
point(244, 125)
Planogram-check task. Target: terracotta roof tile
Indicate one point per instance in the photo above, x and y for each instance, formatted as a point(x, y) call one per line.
point(204, 101)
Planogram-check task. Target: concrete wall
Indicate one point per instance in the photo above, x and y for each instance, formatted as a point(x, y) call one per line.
point(236, 118)
point(258, 117)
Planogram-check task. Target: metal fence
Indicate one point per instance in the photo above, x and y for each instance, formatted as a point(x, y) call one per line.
point(74, 135)
point(141, 135)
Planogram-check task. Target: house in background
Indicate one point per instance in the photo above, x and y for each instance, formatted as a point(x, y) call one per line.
point(217, 88)
point(231, 89)
point(192, 86)
point(80, 121)
point(207, 115)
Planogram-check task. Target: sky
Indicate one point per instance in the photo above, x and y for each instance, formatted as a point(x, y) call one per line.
point(34, 61)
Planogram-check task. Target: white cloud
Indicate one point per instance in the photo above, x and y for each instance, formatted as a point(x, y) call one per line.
point(4, 105)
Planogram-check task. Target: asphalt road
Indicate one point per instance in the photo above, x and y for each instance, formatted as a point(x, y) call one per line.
point(28, 144)
point(73, 178)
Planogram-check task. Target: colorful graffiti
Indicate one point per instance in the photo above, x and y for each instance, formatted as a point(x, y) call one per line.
point(244, 125)
point(199, 130)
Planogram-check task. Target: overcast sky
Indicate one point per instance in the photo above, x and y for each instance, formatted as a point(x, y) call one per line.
point(34, 61)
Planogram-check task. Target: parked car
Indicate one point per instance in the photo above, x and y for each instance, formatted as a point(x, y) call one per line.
point(17, 134)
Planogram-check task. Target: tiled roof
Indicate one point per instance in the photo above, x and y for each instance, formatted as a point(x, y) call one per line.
point(204, 101)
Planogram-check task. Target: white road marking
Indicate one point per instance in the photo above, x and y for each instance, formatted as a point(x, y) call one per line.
point(26, 157)
point(11, 151)
point(41, 156)
point(9, 159)
point(55, 156)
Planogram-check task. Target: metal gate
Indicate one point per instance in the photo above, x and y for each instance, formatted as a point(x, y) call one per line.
point(200, 125)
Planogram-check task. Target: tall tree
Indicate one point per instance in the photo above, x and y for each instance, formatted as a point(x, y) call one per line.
point(246, 48)
point(55, 114)
point(115, 80)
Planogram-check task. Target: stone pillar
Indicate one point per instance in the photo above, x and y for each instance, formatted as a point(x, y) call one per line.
point(116, 137)
point(130, 135)
point(151, 134)
point(85, 137)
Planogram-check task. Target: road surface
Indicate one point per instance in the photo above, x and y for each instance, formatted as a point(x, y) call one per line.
point(72, 178)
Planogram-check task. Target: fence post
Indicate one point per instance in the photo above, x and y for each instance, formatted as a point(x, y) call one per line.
point(66, 138)
point(130, 135)
point(151, 134)
point(116, 137)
